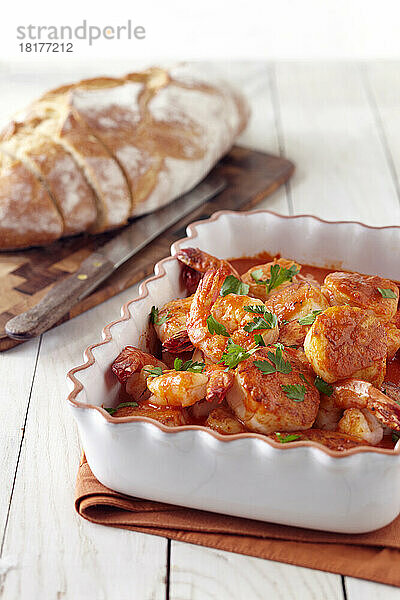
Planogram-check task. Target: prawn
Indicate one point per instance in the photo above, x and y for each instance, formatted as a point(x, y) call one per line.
point(232, 313)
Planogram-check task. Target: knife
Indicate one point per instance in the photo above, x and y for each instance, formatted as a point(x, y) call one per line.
point(105, 260)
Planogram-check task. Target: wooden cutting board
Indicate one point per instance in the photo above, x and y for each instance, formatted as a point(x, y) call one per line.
point(26, 276)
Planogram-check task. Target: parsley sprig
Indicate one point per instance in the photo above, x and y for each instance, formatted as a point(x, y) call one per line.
point(266, 320)
point(188, 365)
point(258, 338)
point(215, 327)
point(310, 318)
point(304, 378)
point(278, 275)
point(323, 387)
point(288, 438)
point(386, 293)
point(277, 365)
point(156, 319)
point(233, 285)
point(111, 410)
point(295, 392)
point(234, 354)
point(154, 371)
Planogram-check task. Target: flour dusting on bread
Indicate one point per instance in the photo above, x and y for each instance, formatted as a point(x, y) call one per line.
point(90, 155)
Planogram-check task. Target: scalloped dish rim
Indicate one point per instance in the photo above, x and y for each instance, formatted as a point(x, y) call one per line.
point(143, 293)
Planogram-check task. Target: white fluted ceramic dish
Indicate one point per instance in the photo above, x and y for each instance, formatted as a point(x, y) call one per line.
point(301, 483)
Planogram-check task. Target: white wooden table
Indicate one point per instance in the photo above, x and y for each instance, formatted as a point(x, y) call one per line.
point(341, 125)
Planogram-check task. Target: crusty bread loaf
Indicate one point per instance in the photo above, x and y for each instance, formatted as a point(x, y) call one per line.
point(99, 151)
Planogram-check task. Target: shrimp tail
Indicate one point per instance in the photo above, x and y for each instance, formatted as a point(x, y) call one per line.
point(190, 279)
point(201, 261)
point(195, 259)
point(130, 361)
point(178, 343)
point(354, 393)
point(387, 411)
point(219, 383)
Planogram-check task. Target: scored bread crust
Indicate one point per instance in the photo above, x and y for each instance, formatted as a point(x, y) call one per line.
point(107, 149)
point(56, 168)
point(53, 117)
point(27, 211)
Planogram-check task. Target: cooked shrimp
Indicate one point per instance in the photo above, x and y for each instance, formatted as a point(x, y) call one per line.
point(345, 341)
point(219, 382)
point(263, 273)
point(172, 328)
point(261, 400)
point(296, 301)
point(201, 262)
point(185, 388)
point(362, 291)
point(292, 304)
point(333, 440)
point(353, 393)
point(361, 424)
point(222, 420)
point(177, 388)
point(131, 360)
point(229, 311)
point(173, 417)
point(130, 369)
point(329, 414)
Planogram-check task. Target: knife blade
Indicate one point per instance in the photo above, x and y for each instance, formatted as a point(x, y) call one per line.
point(99, 265)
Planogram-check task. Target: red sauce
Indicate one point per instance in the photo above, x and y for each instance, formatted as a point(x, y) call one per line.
point(244, 264)
point(393, 370)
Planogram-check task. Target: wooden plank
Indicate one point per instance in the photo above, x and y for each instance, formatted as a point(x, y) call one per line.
point(199, 573)
point(330, 133)
point(55, 553)
point(359, 589)
point(382, 84)
point(16, 375)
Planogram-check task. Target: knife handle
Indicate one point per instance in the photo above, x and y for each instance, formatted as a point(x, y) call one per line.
point(61, 298)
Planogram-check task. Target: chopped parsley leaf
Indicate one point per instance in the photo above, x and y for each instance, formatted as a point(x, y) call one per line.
point(266, 320)
point(123, 404)
point(215, 327)
point(111, 410)
point(156, 319)
point(154, 371)
point(304, 378)
point(386, 293)
point(278, 275)
point(188, 365)
point(277, 365)
point(234, 354)
point(288, 438)
point(323, 387)
point(310, 318)
point(258, 338)
point(232, 285)
point(295, 392)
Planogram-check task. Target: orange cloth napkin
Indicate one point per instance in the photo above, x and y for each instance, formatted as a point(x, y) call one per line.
point(374, 556)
